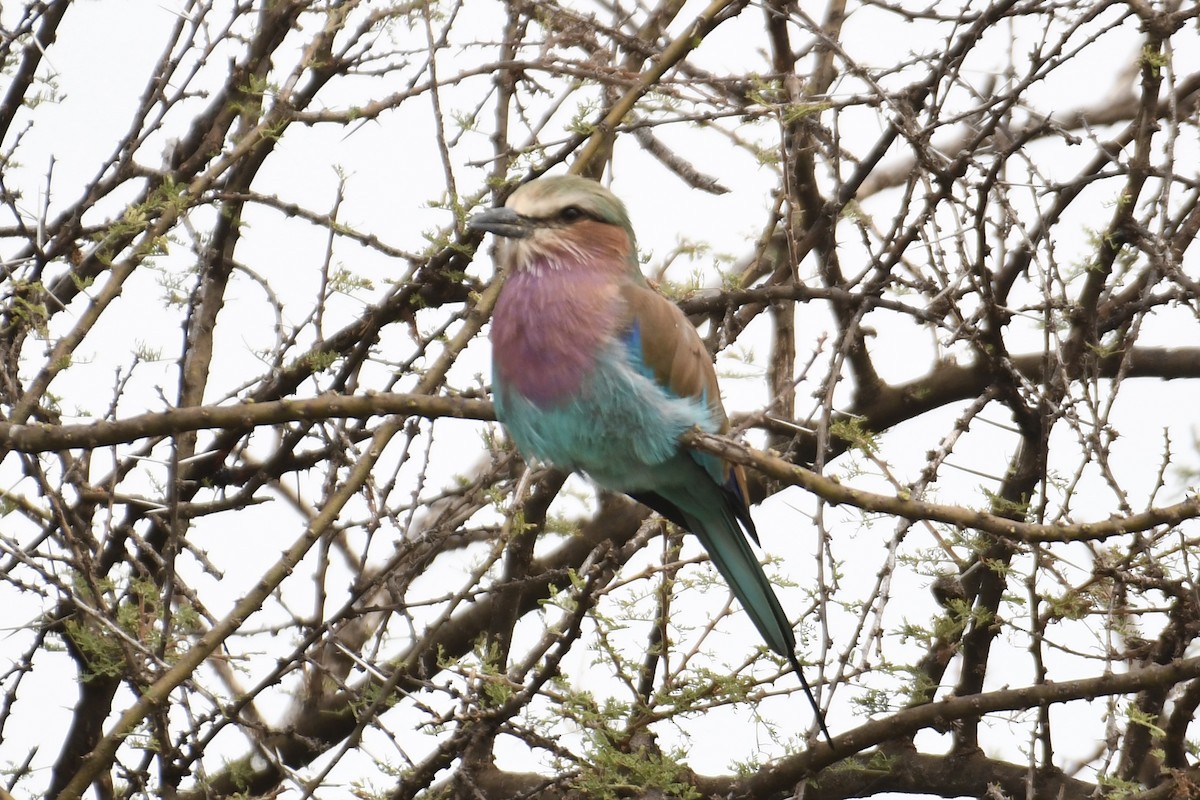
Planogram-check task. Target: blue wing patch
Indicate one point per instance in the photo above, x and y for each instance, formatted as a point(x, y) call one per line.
point(633, 346)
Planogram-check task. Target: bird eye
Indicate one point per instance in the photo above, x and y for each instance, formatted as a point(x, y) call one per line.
point(571, 214)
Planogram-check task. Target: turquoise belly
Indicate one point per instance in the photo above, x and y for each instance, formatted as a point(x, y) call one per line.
point(618, 428)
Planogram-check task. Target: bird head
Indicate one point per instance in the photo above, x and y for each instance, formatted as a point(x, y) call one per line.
point(561, 222)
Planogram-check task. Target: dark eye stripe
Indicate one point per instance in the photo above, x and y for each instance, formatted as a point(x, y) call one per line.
point(567, 215)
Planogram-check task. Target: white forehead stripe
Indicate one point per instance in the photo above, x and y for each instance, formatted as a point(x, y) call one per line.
point(530, 202)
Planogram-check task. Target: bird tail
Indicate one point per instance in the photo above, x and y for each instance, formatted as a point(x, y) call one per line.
point(712, 517)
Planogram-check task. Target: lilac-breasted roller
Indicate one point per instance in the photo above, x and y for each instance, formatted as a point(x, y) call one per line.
point(593, 370)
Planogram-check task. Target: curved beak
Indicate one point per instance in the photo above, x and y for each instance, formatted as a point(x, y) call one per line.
point(502, 222)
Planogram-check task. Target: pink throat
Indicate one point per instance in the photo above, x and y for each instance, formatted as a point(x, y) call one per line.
point(547, 329)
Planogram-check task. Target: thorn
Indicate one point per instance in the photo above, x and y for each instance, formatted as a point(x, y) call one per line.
point(970, 471)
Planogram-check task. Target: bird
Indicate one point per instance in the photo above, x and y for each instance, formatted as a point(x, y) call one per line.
point(594, 371)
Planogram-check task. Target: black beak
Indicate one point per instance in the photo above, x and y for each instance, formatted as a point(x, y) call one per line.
point(502, 222)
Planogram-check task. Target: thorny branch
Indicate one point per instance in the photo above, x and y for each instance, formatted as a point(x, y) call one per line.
point(255, 504)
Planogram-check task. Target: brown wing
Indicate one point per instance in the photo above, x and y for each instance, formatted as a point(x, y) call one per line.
point(673, 350)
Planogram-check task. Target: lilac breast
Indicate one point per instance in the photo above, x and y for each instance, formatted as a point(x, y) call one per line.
point(547, 328)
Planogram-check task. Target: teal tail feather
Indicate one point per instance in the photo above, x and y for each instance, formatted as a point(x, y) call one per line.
point(712, 515)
